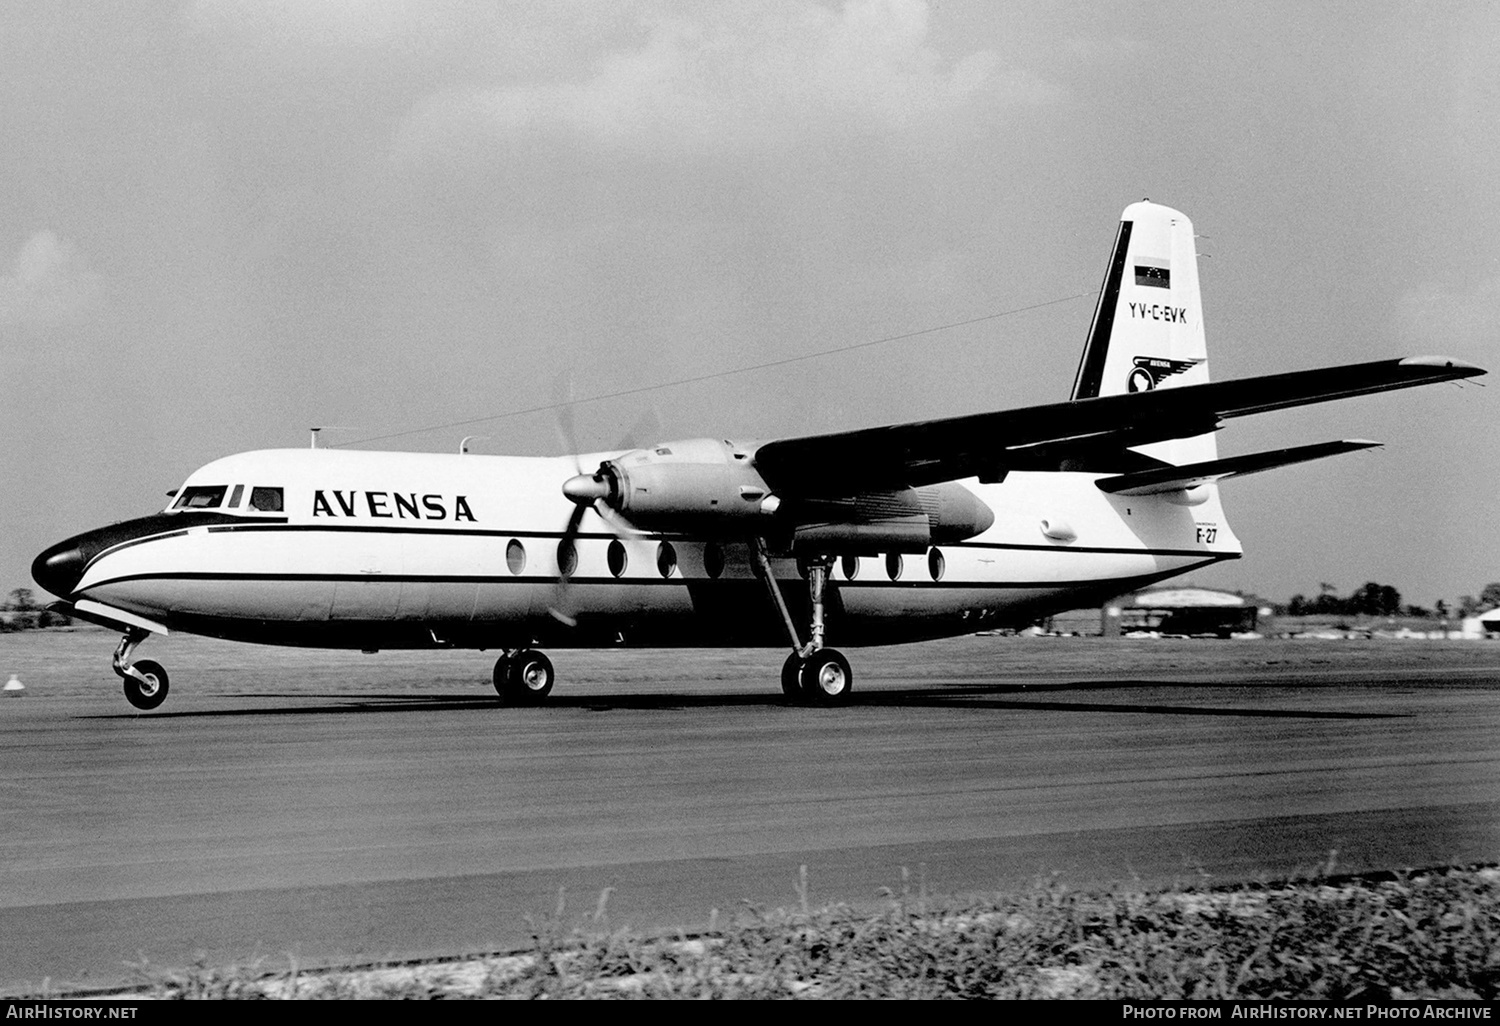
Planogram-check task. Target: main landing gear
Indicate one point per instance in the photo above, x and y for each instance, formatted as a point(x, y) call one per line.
point(145, 681)
point(812, 673)
point(524, 677)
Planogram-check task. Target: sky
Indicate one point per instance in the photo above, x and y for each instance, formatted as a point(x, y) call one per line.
point(223, 222)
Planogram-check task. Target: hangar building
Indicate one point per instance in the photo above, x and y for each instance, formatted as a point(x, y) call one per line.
point(1184, 610)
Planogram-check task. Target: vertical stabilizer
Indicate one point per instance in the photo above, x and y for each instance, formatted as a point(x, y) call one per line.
point(1148, 325)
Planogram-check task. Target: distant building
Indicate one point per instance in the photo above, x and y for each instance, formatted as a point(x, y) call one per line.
point(1483, 625)
point(1184, 610)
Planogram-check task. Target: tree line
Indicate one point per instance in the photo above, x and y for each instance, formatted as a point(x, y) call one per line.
point(21, 613)
point(1374, 599)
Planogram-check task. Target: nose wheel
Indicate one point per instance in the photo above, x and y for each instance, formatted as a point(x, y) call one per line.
point(145, 681)
point(149, 690)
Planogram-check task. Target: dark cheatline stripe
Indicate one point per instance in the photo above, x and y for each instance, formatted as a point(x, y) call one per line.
point(1091, 367)
point(653, 582)
point(106, 540)
point(601, 536)
point(466, 532)
point(1090, 550)
point(470, 532)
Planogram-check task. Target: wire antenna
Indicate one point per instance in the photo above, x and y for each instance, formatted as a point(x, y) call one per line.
point(696, 379)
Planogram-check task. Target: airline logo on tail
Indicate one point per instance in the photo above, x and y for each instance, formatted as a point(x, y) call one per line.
point(1148, 371)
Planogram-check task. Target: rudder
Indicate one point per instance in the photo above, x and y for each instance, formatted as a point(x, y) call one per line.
point(1147, 331)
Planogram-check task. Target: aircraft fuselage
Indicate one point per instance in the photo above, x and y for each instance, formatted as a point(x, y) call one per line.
point(378, 550)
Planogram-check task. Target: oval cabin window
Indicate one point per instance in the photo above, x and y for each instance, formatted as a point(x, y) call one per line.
point(666, 559)
point(617, 557)
point(936, 564)
point(893, 566)
point(515, 556)
point(567, 557)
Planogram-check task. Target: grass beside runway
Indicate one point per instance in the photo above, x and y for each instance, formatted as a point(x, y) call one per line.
point(1431, 935)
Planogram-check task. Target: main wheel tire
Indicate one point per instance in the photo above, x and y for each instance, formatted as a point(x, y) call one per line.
point(791, 677)
point(826, 677)
point(150, 693)
point(530, 680)
point(501, 675)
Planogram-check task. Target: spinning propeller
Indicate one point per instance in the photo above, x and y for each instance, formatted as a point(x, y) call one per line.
point(586, 491)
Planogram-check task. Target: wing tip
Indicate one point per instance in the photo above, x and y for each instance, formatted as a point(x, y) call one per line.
point(1463, 368)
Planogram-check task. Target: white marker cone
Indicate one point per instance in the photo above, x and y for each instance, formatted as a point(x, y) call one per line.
point(14, 684)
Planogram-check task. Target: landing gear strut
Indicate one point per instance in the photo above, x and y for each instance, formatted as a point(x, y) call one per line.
point(811, 673)
point(145, 681)
point(524, 677)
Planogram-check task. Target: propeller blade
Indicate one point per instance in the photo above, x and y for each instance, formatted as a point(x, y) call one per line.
point(618, 525)
point(587, 491)
point(562, 406)
point(567, 563)
point(645, 431)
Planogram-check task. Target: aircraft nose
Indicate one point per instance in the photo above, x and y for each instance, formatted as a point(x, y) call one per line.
point(59, 568)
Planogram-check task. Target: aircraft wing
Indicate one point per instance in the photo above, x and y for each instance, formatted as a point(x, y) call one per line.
point(1087, 434)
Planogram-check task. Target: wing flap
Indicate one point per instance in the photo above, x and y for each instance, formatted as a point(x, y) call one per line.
point(1172, 479)
point(1086, 434)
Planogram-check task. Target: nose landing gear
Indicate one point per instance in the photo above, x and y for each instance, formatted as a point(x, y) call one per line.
point(145, 681)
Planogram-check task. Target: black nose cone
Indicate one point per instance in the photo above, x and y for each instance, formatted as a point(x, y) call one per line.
point(59, 568)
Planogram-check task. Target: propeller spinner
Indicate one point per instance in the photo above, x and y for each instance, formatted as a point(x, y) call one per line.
point(587, 489)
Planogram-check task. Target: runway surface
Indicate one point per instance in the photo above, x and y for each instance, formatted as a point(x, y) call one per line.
point(331, 805)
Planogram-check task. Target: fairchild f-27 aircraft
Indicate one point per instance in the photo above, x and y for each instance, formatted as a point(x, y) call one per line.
point(866, 537)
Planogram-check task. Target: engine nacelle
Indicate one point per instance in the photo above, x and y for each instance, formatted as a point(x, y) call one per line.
point(702, 484)
point(908, 520)
point(711, 487)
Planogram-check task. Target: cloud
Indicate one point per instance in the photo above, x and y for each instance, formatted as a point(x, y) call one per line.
point(49, 283)
point(746, 78)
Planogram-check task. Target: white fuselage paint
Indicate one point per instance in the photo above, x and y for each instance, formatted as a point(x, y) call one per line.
point(362, 569)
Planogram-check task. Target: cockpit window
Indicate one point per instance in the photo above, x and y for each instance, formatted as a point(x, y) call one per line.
point(234, 496)
point(266, 500)
point(201, 497)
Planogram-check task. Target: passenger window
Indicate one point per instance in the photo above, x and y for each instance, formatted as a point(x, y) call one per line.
point(266, 500)
point(936, 564)
point(201, 497)
point(666, 559)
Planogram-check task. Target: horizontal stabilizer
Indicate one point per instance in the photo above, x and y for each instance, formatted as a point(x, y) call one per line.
point(1172, 479)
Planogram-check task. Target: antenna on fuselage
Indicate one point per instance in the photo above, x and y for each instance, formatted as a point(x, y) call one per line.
point(312, 441)
point(463, 447)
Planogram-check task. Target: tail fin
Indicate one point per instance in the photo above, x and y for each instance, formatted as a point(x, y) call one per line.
point(1148, 324)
